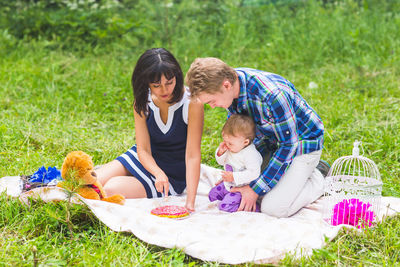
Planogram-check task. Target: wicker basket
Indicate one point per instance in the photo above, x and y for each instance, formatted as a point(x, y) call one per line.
point(353, 190)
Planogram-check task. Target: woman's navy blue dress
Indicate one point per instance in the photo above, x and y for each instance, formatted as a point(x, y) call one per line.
point(168, 147)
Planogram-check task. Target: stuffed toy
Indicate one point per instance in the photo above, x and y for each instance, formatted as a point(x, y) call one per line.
point(79, 176)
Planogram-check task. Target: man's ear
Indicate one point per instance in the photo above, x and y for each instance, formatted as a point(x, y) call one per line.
point(226, 84)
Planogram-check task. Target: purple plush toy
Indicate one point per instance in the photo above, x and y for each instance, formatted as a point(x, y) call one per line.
point(229, 201)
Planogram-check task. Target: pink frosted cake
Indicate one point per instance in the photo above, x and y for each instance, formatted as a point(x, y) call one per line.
point(170, 211)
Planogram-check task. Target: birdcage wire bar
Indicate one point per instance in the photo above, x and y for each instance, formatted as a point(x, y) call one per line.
point(353, 190)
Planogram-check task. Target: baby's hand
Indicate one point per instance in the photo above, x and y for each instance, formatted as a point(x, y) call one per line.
point(227, 176)
point(222, 148)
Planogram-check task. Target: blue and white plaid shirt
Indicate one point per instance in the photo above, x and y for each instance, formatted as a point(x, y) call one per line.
point(285, 123)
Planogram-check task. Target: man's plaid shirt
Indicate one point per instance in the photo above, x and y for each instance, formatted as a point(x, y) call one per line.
point(285, 123)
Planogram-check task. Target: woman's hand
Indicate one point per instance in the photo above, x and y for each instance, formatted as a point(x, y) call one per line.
point(193, 152)
point(189, 206)
point(162, 184)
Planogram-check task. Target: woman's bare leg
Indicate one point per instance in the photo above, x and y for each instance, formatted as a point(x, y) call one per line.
point(128, 186)
point(110, 170)
point(117, 180)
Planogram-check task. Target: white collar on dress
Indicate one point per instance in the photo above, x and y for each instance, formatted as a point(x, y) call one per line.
point(171, 110)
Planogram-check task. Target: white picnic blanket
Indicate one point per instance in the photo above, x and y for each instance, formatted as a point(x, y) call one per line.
point(209, 234)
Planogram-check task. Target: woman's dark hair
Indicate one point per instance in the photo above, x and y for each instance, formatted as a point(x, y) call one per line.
point(149, 68)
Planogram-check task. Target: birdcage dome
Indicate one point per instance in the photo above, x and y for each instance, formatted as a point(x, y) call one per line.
point(353, 190)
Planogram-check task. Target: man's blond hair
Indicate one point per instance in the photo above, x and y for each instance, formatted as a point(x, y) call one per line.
point(240, 125)
point(206, 75)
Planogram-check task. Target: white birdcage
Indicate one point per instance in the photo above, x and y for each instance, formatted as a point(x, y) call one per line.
point(353, 190)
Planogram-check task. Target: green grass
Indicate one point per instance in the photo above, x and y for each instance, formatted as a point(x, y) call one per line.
point(53, 101)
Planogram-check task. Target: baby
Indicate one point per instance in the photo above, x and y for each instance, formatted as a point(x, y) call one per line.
point(241, 161)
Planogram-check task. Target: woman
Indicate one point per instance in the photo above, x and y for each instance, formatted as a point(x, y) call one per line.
point(166, 157)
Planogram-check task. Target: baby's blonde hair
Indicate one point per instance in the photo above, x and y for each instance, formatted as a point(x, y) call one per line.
point(206, 75)
point(240, 125)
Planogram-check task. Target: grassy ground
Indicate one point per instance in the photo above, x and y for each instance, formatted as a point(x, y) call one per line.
point(54, 101)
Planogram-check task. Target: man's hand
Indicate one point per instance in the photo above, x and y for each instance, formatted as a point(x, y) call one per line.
point(249, 198)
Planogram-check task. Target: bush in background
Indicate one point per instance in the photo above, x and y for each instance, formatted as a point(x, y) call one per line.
point(68, 23)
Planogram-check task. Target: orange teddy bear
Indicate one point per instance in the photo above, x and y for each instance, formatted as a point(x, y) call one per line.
point(77, 172)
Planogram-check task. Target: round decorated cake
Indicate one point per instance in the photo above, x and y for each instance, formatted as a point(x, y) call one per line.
point(170, 211)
